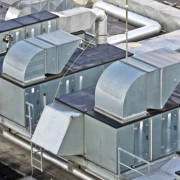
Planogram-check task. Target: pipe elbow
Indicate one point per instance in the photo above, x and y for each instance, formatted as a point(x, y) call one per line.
point(155, 27)
point(100, 14)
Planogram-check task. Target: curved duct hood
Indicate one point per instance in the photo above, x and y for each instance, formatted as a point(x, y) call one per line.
point(118, 89)
point(148, 27)
point(127, 89)
point(32, 59)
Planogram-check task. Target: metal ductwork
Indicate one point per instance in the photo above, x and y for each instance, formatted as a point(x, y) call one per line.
point(77, 19)
point(169, 40)
point(22, 8)
point(74, 20)
point(32, 59)
point(25, 7)
point(166, 15)
point(60, 130)
point(127, 89)
point(148, 27)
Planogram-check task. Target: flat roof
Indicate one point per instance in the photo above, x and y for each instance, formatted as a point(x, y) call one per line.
point(87, 59)
point(26, 21)
point(84, 101)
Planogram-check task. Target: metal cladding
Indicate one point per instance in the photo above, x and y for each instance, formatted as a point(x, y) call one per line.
point(60, 130)
point(30, 60)
point(148, 27)
point(127, 89)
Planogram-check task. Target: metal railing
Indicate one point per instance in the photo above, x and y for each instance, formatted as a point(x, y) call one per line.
point(37, 157)
point(130, 167)
point(30, 116)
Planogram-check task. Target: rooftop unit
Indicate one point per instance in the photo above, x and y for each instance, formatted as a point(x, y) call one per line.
point(21, 28)
point(46, 54)
point(127, 89)
point(90, 109)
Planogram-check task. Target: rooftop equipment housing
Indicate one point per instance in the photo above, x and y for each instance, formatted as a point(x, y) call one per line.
point(101, 106)
point(127, 89)
point(46, 54)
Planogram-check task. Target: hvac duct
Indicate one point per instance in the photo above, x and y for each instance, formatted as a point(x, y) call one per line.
point(148, 27)
point(60, 130)
point(47, 54)
point(80, 18)
point(127, 89)
point(167, 16)
point(23, 7)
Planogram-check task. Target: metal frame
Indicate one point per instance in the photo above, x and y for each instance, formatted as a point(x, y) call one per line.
point(30, 116)
point(39, 152)
point(134, 156)
point(34, 151)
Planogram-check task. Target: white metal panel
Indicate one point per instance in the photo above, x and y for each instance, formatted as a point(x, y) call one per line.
point(51, 130)
point(52, 127)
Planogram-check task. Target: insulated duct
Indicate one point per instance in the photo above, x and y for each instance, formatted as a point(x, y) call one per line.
point(148, 27)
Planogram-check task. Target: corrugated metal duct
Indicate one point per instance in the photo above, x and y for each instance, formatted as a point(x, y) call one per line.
point(148, 27)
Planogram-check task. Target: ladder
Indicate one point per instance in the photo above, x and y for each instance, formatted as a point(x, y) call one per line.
point(36, 151)
point(36, 157)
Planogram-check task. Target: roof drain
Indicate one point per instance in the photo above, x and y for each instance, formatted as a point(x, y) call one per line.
point(148, 28)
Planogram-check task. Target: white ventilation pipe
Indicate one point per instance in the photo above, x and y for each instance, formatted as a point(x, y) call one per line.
point(148, 28)
point(100, 26)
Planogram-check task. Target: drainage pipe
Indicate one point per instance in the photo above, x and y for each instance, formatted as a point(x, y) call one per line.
point(53, 159)
point(148, 28)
